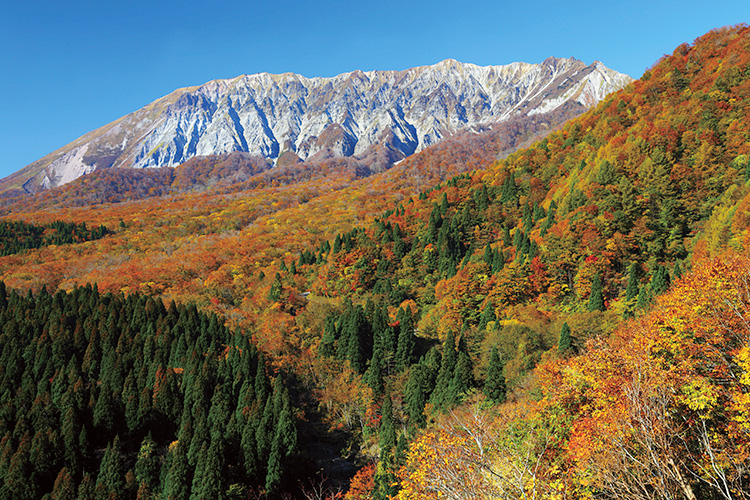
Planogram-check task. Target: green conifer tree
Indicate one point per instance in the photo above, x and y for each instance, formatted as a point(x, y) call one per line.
point(442, 396)
point(644, 298)
point(276, 288)
point(463, 378)
point(20, 482)
point(86, 488)
point(286, 430)
point(273, 468)
point(406, 344)
point(677, 271)
point(565, 341)
point(110, 482)
point(528, 221)
point(178, 480)
point(631, 293)
point(596, 298)
point(64, 488)
point(444, 204)
point(488, 316)
point(147, 464)
point(387, 432)
point(415, 395)
point(207, 481)
point(249, 450)
point(327, 345)
point(660, 280)
point(374, 374)
point(507, 240)
point(498, 261)
point(494, 385)
point(488, 254)
point(509, 190)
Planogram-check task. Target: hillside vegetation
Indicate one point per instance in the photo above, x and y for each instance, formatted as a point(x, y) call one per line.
point(568, 322)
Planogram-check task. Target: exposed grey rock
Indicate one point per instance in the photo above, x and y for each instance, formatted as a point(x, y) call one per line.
point(268, 114)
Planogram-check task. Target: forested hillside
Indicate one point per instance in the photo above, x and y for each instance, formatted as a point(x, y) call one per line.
point(568, 322)
point(542, 256)
point(113, 397)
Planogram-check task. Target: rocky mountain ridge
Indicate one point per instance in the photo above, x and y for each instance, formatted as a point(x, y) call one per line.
point(298, 117)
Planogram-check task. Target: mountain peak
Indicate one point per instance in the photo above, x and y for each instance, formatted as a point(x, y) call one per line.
point(341, 115)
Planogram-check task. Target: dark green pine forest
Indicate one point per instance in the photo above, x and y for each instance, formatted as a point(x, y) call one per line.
point(113, 397)
point(16, 236)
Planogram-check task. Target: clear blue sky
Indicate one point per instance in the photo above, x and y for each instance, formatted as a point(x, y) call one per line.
point(68, 67)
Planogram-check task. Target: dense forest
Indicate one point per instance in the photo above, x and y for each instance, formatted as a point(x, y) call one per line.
point(113, 397)
point(16, 236)
point(570, 321)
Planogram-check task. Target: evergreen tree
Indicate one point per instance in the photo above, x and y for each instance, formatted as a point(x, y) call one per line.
point(327, 345)
point(105, 410)
point(178, 478)
point(442, 396)
point(509, 190)
point(596, 299)
point(406, 344)
point(498, 261)
point(208, 480)
point(273, 468)
point(374, 374)
point(565, 341)
point(383, 332)
point(286, 430)
point(65, 488)
point(263, 432)
point(337, 244)
point(20, 482)
point(549, 221)
point(131, 401)
point(249, 451)
point(644, 298)
point(86, 488)
point(631, 293)
point(387, 433)
point(444, 204)
point(494, 385)
point(678, 269)
point(276, 288)
point(538, 212)
point(528, 221)
point(463, 378)
point(488, 254)
point(415, 395)
point(488, 316)
point(359, 335)
point(110, 482)
point(507, 241)
point(147, 464)
point(660, 280)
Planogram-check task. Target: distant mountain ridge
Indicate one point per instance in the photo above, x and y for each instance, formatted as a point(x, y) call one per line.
point(299, 118)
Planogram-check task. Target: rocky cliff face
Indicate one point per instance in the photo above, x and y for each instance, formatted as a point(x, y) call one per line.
point(270, 115)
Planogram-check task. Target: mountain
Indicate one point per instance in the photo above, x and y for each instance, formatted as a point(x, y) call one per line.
point(570, 321)
point(289, 117)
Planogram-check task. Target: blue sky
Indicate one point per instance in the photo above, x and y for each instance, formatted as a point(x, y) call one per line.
point(69, 67)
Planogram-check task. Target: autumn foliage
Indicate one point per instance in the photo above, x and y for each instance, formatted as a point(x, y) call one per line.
point(567, 322)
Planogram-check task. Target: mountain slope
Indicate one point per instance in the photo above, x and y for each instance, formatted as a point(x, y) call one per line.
point(454, 294)
point(269, 115)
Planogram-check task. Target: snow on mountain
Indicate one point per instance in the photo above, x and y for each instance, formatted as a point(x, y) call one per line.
point(267, 114)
